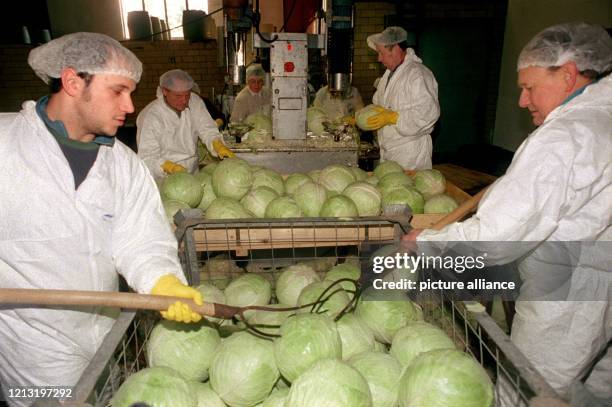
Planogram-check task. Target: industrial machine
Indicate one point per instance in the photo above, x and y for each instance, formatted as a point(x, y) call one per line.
point(292, 148)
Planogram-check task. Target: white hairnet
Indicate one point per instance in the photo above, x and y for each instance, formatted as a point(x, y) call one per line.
point(178, 81)
point(92, 53)
point(589, 46)
point(255, 70)
point(390, 36)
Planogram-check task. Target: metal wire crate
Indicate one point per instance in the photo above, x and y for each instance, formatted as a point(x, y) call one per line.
point(476, 333)
point(279, 239)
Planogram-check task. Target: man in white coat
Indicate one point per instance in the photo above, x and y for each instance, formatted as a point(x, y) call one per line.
point(558, 189)
point(78, 209)
point(407, 96)
point(169, 127)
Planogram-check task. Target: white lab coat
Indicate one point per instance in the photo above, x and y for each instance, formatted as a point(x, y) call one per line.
point(412, 92)
point(247, 103)
point(163, 134)
point(52, 236)
point(338, 107)
point(557, 189)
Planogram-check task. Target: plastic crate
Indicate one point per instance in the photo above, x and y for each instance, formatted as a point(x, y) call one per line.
point(473, 332)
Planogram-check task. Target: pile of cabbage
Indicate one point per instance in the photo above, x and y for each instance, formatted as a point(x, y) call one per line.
point(377, 353)
point(233, 189)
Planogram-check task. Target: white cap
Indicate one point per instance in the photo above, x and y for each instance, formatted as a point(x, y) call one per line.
point(179, 81)
point(255, 70)
point(588, 45)
point(390, 36)
point(92, 53)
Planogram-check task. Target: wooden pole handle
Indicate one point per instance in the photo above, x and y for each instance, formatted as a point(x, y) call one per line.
point(462, 210)
point(109, 299)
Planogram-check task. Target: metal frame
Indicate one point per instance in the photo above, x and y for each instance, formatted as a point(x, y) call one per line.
point(516, 380)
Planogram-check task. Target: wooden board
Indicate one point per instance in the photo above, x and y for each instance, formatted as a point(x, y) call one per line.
point(251, 236)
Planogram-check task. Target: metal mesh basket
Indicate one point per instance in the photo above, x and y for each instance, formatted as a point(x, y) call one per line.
point(476, 333)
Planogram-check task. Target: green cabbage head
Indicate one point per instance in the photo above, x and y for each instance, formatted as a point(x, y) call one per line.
point(332, 303)
point(269, 178)
point(291, 282)
point(310, 198)
point(440, 203)
point(294, 181)
point(156, 386)
point(182, 187)
point(330, 382)
point(342, 271)
point(418, 337)
point(393, 180)
point(365, 196)
point(226, 208)
point(248, 289)
point(356, 337)
point(405, 195)
point(336, 177)
point(339, 206)
point(362, 115)
point(243, 371)
point(385, 318)
point(208, 195)
point(257, 199)
point(429, 182)
point(386, 167)
point(445, 377)
point(283, 207)
point(232, 178)
point(305, 339)
point(187, 348)
point(382, 372)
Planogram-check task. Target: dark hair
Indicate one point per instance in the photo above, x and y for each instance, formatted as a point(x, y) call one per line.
point(55, 85)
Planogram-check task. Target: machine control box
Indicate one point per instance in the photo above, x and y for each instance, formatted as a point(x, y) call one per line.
point(289, 72)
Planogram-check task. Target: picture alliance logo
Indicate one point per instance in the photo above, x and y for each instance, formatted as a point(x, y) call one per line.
point(415, 262)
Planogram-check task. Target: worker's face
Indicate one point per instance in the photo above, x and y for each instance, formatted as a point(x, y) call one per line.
point(542, 90)
point(179, 101)
point(391, 57)
point(255, 84)
point(104, 103)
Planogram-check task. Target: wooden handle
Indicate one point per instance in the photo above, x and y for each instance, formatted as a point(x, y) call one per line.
point(462, 210)
point(109, 299)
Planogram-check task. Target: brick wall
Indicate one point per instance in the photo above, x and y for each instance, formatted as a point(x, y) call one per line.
point(369, 19)
point(19, 83)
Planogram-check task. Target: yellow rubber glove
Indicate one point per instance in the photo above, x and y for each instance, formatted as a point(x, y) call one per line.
point(171, 167)
point(221, 150)
point(170, 285)
point(383, 118)
point(350, 120)
point(219, 122)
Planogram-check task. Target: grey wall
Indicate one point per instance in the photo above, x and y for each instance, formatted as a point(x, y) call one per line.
point(526, 18)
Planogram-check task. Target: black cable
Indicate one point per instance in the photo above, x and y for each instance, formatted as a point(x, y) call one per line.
point(255, 19)
point(288, 15)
